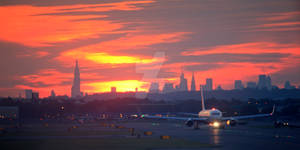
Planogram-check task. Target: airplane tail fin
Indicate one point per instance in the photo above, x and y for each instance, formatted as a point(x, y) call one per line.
point(273, 111)
point(202, 99)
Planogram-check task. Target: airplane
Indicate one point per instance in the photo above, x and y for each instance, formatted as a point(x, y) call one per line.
point(213, 117)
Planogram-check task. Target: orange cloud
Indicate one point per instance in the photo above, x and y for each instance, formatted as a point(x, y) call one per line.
point(45, 81)
point(104, 52)
point(105, 58)
point(280, 16)
point(25, 24)
point(134, 41)
point(247, 48)
point(280, 24)
point(276, 29)
point(42, 53)
point(48, 77)
point(124, 6)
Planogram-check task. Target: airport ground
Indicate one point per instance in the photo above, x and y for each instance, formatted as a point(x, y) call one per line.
point(117, 135)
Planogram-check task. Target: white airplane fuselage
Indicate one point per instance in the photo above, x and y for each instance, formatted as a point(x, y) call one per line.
point(211, 114)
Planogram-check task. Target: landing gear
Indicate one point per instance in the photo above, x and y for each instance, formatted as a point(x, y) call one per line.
point(222, 126)
point(196, 125)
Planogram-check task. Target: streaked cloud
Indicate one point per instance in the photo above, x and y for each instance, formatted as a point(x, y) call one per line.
point(224, 40)
point(246, 48)
point(32, 28)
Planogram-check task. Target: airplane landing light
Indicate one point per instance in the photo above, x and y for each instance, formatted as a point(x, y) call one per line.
point(216, 124)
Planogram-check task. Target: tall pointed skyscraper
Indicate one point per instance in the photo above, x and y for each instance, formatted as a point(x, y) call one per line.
point(193, 84)
point(76, 83)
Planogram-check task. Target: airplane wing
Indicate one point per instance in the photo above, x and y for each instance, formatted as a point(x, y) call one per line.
point(188, 114)
point(246, 117)
point(249, 116)
point(174, 118)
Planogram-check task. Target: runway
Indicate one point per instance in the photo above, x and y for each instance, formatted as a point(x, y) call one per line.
point(254, 135)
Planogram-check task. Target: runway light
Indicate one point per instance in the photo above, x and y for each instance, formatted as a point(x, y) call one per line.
point(216, 124)
point(228, 122)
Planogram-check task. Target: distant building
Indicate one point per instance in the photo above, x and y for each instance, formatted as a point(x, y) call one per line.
point(251, 85)
point(183, 83)
point(288, 85)
point(264, 82)
point(193, 83)
point(53, 95)
point(113, 90)
point(20, 95)
point(168, 87)
point(209, 84)
point(35, 95)
point(75, 91)
point(238, 85)
point(219, 88)
point(28, 94)
point(274, 87)
point(154, 87)
point(136, 90)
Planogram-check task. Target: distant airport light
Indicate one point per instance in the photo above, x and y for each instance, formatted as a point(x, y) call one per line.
point(213, 108)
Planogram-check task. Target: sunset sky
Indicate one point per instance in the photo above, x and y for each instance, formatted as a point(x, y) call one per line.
point(129, 44)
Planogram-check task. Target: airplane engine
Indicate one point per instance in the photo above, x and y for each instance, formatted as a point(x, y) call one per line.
point(231, 122)
point(189, 123)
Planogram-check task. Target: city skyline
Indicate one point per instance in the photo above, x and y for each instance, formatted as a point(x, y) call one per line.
point(263, 83)
point(116, 41)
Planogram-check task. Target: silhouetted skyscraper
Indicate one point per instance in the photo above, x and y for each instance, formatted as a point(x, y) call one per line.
point(193, 84)
point(264, 82)
point(35, 95)
point(238, 85)
point(52, 94)
point(183, 83)
point(208, 85)
point(75, 92)
point(28, 94)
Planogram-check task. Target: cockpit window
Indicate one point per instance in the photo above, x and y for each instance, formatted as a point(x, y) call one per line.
point(215, 113)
